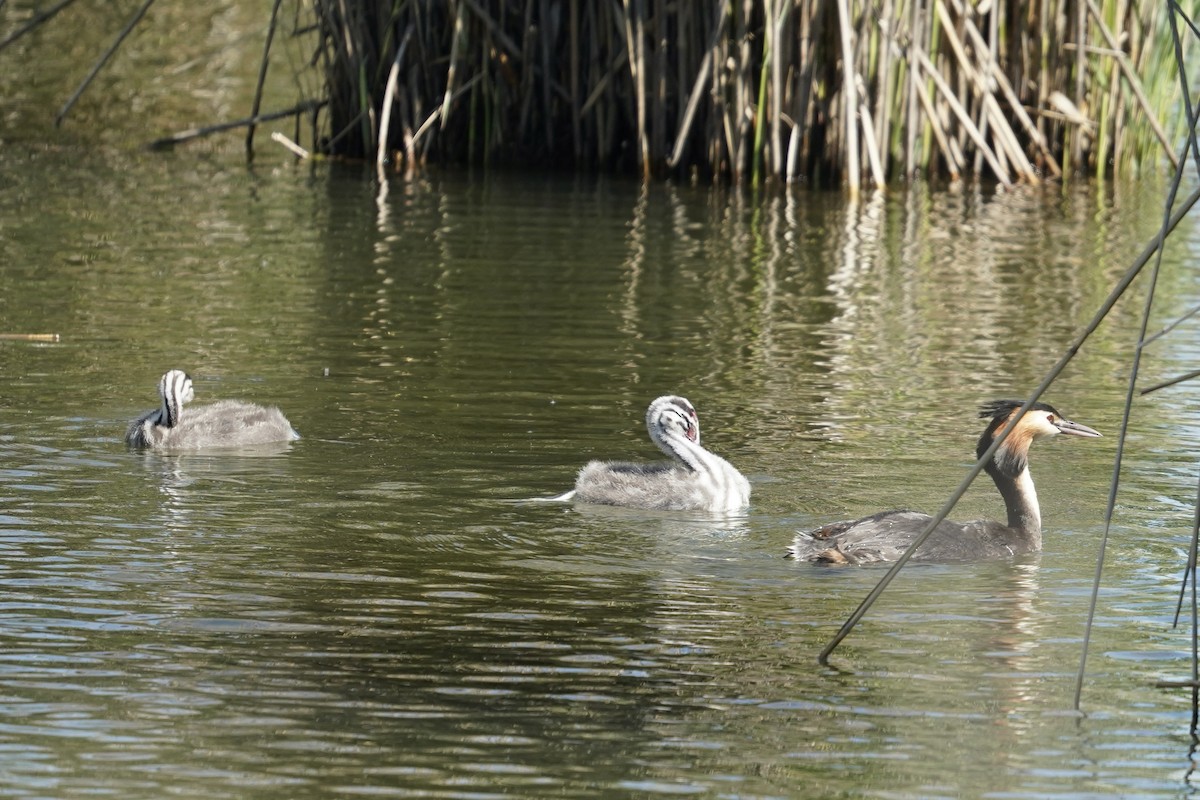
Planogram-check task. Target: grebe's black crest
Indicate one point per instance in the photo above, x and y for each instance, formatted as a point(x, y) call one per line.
point(1012, 458)
point(1003, 409)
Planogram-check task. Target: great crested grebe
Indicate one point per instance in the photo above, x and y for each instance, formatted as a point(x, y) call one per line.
point(225, 423)
point(694, 480)
point(885, 536)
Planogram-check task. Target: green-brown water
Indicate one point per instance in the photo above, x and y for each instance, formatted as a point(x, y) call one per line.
point(374, 610)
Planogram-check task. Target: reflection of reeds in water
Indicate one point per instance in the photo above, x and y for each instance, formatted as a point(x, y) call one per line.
point(752, 90)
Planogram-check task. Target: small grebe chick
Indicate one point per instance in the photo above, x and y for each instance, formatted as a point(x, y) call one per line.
point(885, 536)
point(225, 423)
point(694, 480)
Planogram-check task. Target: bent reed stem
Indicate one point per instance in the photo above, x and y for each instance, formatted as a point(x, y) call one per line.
point(909, 88)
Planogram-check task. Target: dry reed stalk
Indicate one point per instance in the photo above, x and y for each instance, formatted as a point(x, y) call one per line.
point(777, 13)
point(850, 103)
point(1078, 131)
point(916, 102)
point(967, 126)
point(637, 66)
point(389, 101)
point(883, 104)
point(1007, 149)
point(456, 43)
point(803, 107)
point(744, 89)
point(693, 103)
point(872, 146)
point(263, 66)
point(931, 118)
point(1010, 96)
point(1135, 83)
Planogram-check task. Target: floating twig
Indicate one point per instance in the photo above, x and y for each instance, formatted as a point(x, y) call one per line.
point(276, 136)
point(29, 337)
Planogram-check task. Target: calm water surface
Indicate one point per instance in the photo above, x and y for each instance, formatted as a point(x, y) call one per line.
point(376, 611)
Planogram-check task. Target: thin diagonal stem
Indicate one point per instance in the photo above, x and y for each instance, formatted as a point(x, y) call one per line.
point(1128, 278)
point(256, 106)
point(100, 62)
point(1114, 485)
point(1178, 379)
point(38, 19)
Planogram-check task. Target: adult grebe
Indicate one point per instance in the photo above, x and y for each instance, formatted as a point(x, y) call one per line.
point(695, 480)
point(885, 536)
point(226, 423)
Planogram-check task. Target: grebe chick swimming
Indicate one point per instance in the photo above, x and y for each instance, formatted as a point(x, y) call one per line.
point(694, 480)
point(885, 536)
point(225, 423)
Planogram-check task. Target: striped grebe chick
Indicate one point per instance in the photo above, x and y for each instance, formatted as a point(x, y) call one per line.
point(693, 480)
point(225, 423)
point(887, 535)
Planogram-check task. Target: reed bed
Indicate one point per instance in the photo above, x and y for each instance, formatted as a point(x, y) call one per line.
point(828, 92)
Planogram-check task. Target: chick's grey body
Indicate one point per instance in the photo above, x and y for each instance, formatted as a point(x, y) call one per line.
point(658, 486)
point(887, 535)
point(694, 480)
point(225, 423)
